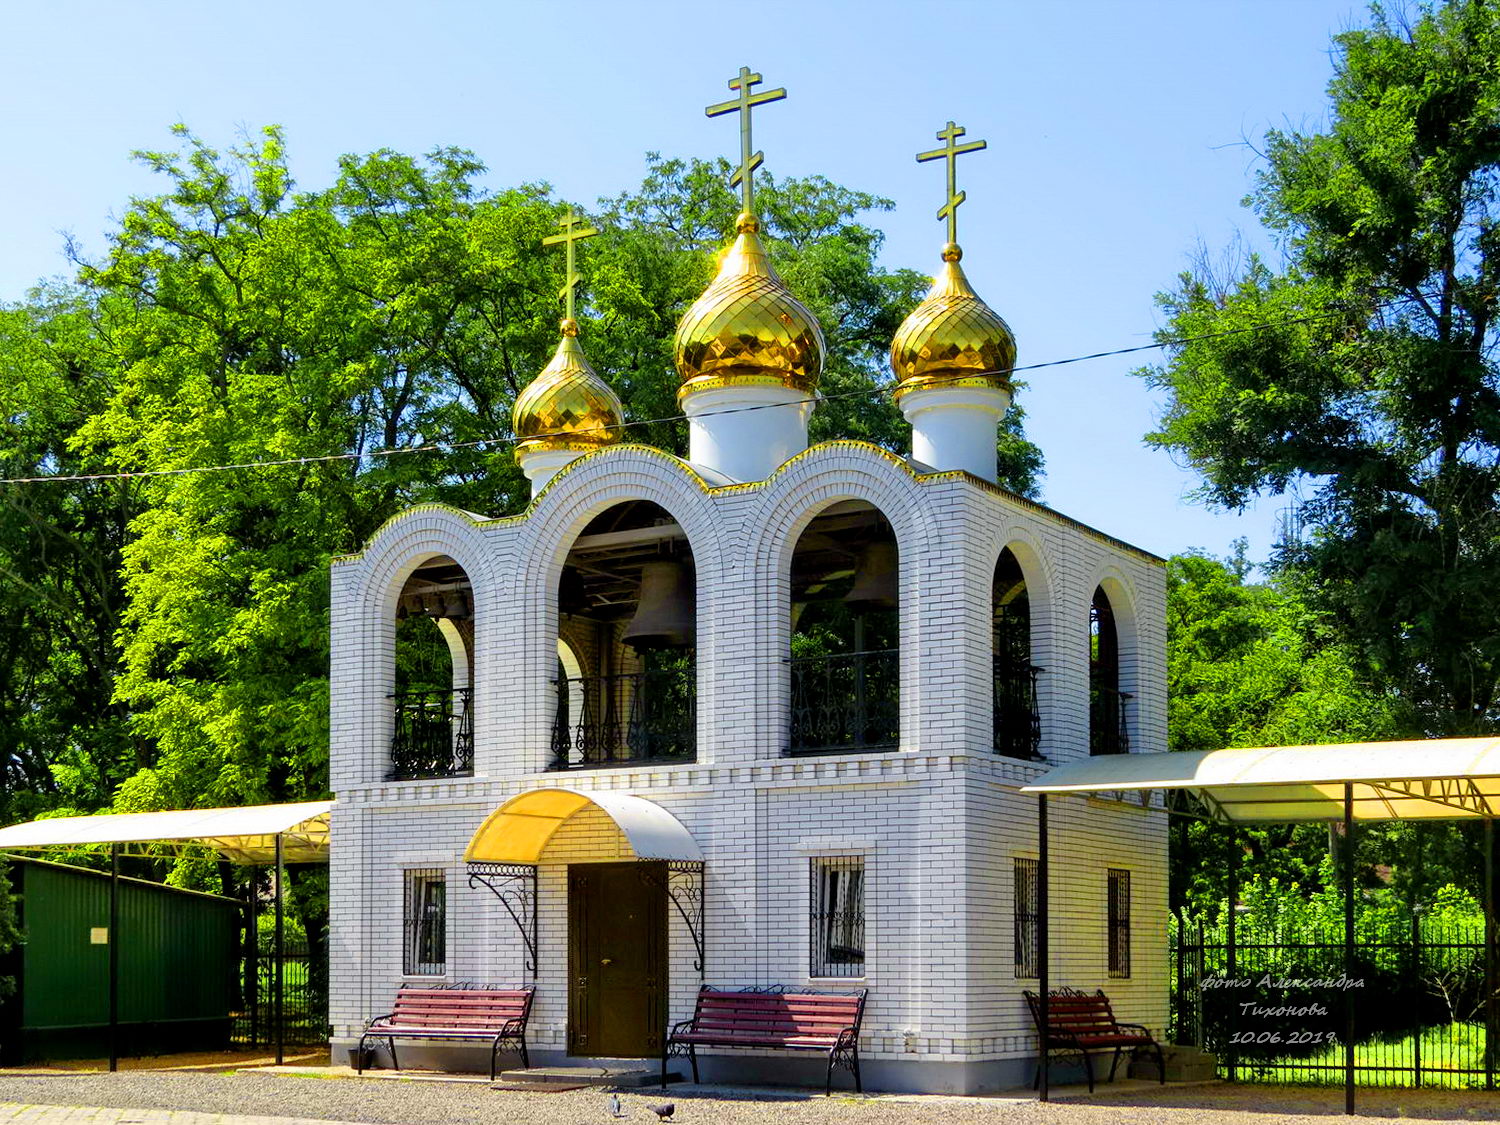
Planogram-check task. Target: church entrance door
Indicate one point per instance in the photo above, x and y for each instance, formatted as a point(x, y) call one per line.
point(617, 959)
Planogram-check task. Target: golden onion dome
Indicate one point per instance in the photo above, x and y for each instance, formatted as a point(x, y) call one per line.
point(952, 339)
point(567, 406)
point(747, 329)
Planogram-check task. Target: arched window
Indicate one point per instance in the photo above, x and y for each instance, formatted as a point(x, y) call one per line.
point(845, 683)
point(627, 618)
point(1106, 700)
point(434, 728)
point(1018, 727)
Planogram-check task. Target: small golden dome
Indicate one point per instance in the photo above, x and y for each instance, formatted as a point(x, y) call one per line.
point(747, 328)
point(567, 406)
point(952, 339)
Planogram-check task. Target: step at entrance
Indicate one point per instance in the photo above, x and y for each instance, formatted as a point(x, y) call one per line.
point(626, 1072)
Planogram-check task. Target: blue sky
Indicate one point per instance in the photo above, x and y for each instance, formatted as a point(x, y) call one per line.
point(1117, 144)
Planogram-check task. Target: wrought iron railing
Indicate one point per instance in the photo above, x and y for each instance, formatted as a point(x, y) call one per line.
point(1018, 724)
point(1107, 733)
point(847, 701)
point(434, 734)
point(635, 717)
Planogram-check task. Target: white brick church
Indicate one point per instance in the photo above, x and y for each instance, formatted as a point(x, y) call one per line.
point(757, 717)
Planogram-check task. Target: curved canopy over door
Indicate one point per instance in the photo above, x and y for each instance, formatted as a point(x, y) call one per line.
point(519, 830)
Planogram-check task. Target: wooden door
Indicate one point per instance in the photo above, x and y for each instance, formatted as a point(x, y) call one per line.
point(617, 959)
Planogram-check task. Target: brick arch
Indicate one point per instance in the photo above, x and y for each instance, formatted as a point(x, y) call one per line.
point(369, 614)
point(790, 500)
point(403, 544)
point(1120, 591)
point(1042, 590)
point(575, 496)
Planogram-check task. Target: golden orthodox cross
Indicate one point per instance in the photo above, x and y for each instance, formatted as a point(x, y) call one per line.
point(951, 152)
point(749, 161)
point(572, 231)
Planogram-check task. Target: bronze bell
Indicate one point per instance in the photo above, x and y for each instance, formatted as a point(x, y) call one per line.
point(664, 616)
point(876, 577)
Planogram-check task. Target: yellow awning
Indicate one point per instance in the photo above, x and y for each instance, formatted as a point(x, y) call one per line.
point(519, 830)
point(241, 835)
point(1421, 779)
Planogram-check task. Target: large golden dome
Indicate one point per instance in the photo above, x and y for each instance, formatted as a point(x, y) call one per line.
point(747, 328)
point(567, 406)
point(952, 339)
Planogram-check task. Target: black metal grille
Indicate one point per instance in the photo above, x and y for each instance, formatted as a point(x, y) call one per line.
point(837, 916)
point(1018, 726)
point(845, 701)
point(304, 996)
point(1420, 1017)
point(1107, 732)
point(434, 735)
point(1027, 922)
point(426, 915)
point(649, 716)
point(1119, 923)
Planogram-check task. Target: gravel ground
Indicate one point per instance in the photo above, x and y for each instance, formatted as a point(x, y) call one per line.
point(394, 1102)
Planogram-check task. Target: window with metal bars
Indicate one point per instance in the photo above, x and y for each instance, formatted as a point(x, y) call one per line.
point(1028, 900)
point(426, 915)
point(837, 916)
point(1119, 923)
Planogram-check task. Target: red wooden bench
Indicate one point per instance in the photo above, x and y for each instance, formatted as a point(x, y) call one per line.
point(474, 1013)
point(1080, 1022)
point(776, 1017)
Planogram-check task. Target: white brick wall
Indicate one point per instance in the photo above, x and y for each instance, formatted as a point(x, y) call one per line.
point(939, 821)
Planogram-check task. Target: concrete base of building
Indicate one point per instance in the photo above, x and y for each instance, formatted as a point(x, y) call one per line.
point(784, 1069)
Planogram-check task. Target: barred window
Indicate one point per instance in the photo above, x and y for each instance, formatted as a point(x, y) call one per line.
point(837, 918)
point(1028, 898)
point(1119, 923)
point(426, 915)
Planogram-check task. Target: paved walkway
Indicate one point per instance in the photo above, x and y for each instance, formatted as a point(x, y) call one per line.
point(94, 1115)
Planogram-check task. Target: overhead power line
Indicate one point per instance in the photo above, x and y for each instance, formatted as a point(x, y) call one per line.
point(501, 442)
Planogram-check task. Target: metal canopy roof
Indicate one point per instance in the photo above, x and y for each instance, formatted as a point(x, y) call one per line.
point(244, 835)
point(1422, 779)
point(519, 830)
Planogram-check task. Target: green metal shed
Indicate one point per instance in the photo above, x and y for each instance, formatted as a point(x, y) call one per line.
point(178, 954)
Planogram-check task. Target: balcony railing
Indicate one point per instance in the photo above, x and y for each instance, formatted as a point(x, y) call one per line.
point(1018, 725)
point(847, 701)
point(636, 717)
point(1107, 733)
point(434, 735)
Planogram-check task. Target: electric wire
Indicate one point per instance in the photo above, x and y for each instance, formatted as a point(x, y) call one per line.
point(502, 442)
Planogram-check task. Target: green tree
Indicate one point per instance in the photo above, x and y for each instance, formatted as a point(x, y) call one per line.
point(1360, 373)
point(1249, 665)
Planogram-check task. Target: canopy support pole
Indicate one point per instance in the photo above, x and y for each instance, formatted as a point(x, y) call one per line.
point(280, 955)
point(114, 957)
point(1491, 1017)
point(1348, 946)
point(1231, 941)
point(1043, 941)
point(252, 955)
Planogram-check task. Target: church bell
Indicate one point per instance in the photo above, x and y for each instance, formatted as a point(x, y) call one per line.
point(664, 615)
point(875, 577)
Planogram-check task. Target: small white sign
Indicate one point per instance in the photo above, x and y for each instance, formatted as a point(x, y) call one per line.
point(99, 935)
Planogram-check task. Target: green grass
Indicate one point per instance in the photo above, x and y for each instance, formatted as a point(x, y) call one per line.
point(1445, 1050)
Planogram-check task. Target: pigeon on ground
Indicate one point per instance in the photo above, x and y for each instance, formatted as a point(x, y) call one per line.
point(664, 1111)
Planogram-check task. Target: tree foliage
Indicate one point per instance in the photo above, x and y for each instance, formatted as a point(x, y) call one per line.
point(163, 641)
point(1248, 664)
point(1359, 373)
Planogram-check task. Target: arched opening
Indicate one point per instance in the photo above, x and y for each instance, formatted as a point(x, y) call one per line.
point(1018, 725)
point(434, 729)
point(1106, 700)
point(845, 653)
point(627, 625)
